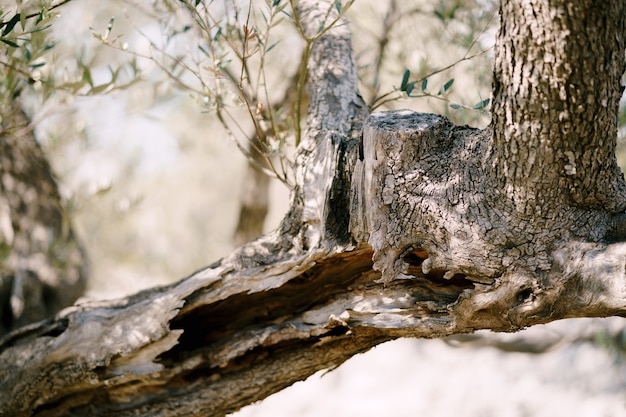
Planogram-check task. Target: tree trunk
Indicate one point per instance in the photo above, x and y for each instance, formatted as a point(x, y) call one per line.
point(402, 225)
point(43, 267)
point(254, 198)
point(557, 89)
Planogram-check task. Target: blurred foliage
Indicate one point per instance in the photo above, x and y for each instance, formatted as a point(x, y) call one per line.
point(216, 52)
point(24, 45)
point(614, 342)
point(28, 59)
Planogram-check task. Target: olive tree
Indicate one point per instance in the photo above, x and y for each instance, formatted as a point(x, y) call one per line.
point(401, 225)
point(43, 266)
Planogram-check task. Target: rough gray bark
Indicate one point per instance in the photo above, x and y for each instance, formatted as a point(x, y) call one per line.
point(402, 224)
point(556, 94)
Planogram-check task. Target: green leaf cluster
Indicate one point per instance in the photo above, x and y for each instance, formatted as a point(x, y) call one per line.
point(25, 45)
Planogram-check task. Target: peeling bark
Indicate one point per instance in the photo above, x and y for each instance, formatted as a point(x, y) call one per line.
point(402, 225)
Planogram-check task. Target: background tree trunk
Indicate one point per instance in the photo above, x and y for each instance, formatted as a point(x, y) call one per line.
point(254, 197)
point(43, 267)
point(256, 183)
point(402, 225)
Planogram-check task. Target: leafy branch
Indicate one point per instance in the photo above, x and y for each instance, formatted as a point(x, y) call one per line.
point(227, 47)
point(418, 88)
point(406, 87)
point(226, 64)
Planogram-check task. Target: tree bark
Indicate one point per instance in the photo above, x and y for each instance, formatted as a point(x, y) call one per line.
point(402, 225)
point(557, 87)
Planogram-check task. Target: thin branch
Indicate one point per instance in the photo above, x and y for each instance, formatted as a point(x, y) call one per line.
point(377, 103)
point(55, 6)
